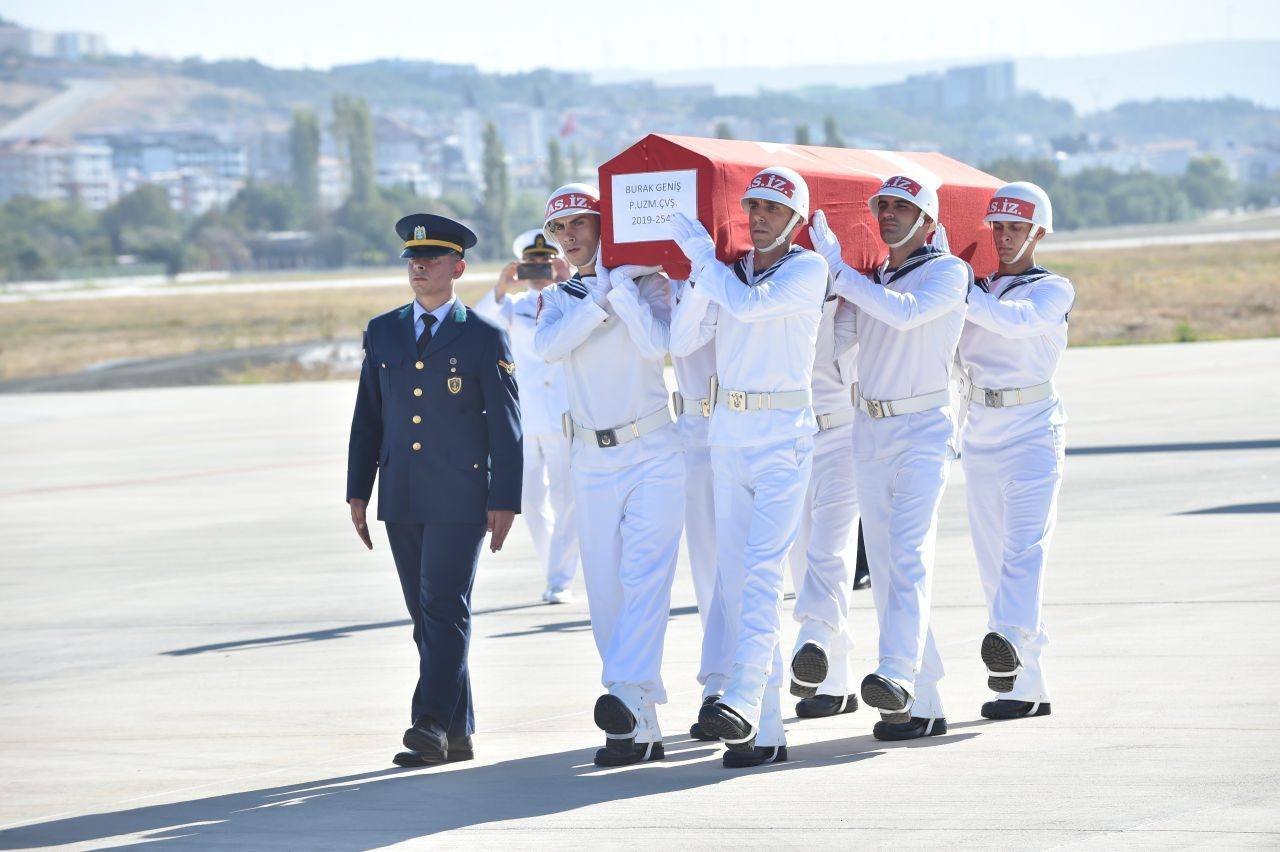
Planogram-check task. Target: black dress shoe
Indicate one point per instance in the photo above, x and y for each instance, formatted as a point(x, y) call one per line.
point(416, 759)
point(615, 719)
point(429, 737)
point(756, 757)
point(1005, 708)
point(1002, 662)
point(820, 706)
point(695, 730)
point(460, 749)
point(912, 730)
point(893, 702)
point(808, 670)
point(724, 723)
point(639, 753)
point(861, 579)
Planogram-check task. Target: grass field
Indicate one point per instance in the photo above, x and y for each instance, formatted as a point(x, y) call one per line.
point(1212, 291)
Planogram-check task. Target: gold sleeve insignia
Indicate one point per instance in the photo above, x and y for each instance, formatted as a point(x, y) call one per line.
point(510, 368)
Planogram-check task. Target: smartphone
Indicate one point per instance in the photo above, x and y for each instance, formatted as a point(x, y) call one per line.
point(526, 271)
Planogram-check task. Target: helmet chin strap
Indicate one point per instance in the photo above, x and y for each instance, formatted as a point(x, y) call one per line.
point(782, 237)
point(911, 233)
point(591, 261)
point(1025, 244)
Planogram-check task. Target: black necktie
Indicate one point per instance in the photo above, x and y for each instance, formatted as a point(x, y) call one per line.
point(428, 320)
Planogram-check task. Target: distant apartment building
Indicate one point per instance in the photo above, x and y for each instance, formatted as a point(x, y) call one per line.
point(68, 46)
point(191, 192)
point(154, 152)
point(58, 171)
point(960, 88)
point(199, 170)
point(404, 156)
point(334, 181)
point(1167, 157)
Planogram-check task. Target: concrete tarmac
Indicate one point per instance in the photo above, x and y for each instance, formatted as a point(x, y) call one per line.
point(195, 650)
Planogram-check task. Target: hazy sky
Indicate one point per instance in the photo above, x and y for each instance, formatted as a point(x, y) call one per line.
point(651, 34)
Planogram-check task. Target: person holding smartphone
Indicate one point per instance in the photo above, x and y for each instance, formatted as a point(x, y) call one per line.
point(547, 495)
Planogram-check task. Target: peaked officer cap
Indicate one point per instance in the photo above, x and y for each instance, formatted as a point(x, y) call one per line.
point(429, 235)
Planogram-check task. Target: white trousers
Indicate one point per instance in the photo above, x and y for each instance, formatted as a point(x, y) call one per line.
point(629, 522)
point(1012, 490)
point(759, 497)
point(823, 556)
point(899, 495)
point(700, 543)
point(700, 525)
point(546, 503)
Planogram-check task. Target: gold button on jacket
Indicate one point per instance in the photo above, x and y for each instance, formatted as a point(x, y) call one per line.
point(417, 418)
point(416, 446)
point(417, 391)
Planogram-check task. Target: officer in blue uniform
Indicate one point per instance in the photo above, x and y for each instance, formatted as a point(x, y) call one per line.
point(437, 423)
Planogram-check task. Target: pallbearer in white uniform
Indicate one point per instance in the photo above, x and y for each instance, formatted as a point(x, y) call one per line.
point(909, 315)
point(822, 559)
point(1012, 443)
point(763, 313)
point(611, 331)
point(546, 502)
point(692, 403)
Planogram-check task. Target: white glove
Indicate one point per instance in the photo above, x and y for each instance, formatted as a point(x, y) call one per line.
point(939, 238)
point(600, 289)
point(621, 279)
point(824, 241)
point(693, 240)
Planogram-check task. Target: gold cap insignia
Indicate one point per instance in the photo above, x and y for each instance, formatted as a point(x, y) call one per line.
point(420, 233)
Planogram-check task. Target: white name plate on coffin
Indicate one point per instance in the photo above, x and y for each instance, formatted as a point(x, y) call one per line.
point(643, 204)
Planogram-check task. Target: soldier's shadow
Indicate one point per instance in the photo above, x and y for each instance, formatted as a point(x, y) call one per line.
point(386, 806)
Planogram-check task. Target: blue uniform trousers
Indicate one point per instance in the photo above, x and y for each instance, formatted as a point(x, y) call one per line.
point(437, 568)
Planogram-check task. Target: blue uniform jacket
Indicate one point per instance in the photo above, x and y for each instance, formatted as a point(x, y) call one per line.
point(444, 429)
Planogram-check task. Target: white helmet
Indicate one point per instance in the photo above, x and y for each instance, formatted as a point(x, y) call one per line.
point(1021, 201)
point(921, 194)
point(570, 200)
point(784, 186)
point(780, 184)
point(534, 242)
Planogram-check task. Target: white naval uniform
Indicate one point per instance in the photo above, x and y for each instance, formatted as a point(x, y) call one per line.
point(908, 328)
point(629, 496)
point(546, 502)
point(693, 380)
point(765, 327)
point(1014, 336)
point(820, 559)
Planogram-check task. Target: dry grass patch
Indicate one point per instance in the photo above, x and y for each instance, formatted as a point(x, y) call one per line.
point(1204, 292)
point(54, 338)
point(1228, 290)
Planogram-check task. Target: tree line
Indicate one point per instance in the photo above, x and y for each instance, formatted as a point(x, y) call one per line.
point(53, 239)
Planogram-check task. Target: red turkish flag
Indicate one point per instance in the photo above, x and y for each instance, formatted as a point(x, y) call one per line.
point(840, 180)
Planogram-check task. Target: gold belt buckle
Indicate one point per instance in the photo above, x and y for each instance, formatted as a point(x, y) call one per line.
point(874, 408)
point(705, 406)
point(738, 400)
